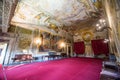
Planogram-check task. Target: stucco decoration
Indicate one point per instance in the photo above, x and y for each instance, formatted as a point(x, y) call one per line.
point(5, 15)
point(47, 12)
point(87, 36)
point(8, 8)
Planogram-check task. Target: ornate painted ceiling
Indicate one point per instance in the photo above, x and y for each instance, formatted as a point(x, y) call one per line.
point(44, 12)
point(54, 13)
point(58, 17)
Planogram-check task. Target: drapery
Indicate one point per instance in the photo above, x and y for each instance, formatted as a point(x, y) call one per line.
point(100, 47)
point(79, 47)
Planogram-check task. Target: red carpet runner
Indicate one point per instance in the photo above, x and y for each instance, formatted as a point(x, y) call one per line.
point(65, 69)
point(1, 73)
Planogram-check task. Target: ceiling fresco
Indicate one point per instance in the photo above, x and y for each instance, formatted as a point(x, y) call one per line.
point(52, 12)
point(58, 16)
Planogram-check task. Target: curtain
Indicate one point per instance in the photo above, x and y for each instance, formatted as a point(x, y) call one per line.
point(79, 47)
point(100, 47)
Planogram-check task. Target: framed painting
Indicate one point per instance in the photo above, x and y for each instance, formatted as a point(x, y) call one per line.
point(24, 42)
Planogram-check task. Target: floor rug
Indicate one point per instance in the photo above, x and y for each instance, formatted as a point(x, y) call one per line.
point(64, 69)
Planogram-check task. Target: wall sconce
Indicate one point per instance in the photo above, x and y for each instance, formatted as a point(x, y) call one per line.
point(62, 44)
point(38, 41)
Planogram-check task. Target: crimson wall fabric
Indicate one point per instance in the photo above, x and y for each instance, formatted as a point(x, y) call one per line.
point(100, 47)
point(79, 47)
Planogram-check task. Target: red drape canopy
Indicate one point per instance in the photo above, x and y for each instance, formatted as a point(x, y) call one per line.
point(79, 47)
point(100, 47)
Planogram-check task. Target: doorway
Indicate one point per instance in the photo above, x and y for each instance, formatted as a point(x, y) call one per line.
point(69, 50)
point(3, 48)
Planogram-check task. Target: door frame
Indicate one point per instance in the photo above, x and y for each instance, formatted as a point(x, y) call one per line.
point(10, 45)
